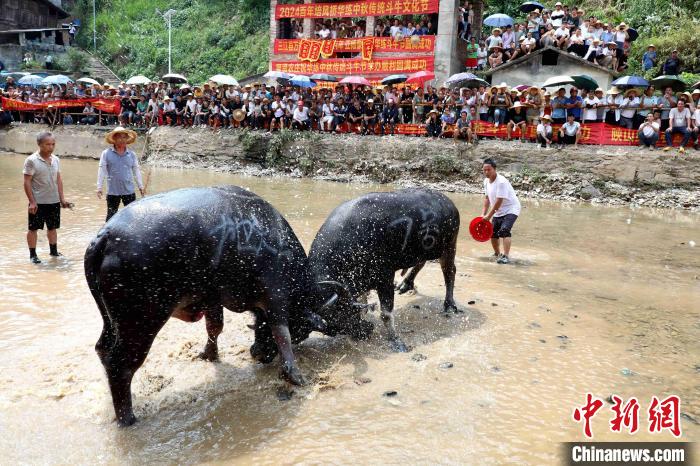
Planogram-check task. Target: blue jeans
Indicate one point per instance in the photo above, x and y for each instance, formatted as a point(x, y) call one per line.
point(499, 115)
point(677, 129)
point(648, 141)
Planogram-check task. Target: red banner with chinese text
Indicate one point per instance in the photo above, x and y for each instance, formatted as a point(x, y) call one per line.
point(112, 106)
point(357, 8)
point(380, 44)
point(353, 66)
point(367, 48)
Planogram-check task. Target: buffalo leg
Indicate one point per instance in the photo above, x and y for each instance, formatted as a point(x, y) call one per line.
point(386, 301)
point(407, 284)
point(122, 360)
point(214, 318)
point(447, 262)
point(290, 371)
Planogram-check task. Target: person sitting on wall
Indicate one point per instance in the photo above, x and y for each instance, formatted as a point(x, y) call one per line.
point(433, 126)
point(648, 132)
point(570, 132)
point(89, 115)
point(390, 116)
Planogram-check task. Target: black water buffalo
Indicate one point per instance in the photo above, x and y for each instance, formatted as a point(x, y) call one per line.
point(363, 242)
point(187, 254)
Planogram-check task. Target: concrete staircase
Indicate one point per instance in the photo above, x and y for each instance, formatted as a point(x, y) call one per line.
point(98, 70)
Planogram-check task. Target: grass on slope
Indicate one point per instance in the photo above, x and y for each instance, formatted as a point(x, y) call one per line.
point(208, 36)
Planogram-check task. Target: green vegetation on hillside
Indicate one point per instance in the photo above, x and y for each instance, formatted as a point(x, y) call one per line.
point(208, 36)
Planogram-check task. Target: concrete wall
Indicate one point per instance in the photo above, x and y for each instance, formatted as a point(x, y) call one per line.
point(533, 72)
point(83, 142)
point(449, 49)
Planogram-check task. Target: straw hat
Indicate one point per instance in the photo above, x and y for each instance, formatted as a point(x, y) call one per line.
point(558, 4)
point(651, 46)
point(119, 130)
point(612, 43)
point(434, 111)
point(496, 29)
point(596, 41)
point(517, 104)
point(614, 90)
point(166, 99)
point(696, 91)
point(546, 117)
point(686, 94)
point(622, 26)
point(627, 93)
point(598, 90)
point(537, 12)
point(503, 86)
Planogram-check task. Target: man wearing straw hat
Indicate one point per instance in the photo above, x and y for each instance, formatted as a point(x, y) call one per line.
point(119, 165)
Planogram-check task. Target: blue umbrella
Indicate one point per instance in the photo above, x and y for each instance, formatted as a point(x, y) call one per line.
point(301, 81)
point(277, 75)
point(527, 7)
point(498, 20)
point(394, 79)
point(631, 81)
point(30, 80)
point(56, 79)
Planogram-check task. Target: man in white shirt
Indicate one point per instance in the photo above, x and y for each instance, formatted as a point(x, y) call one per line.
point(300, 117)
point(44, 189)
point(629, 107)
point(696, 129)
point(502, 205)
point(561, 36)
point(557, 15)
point(649, 132)
point(570, 132)
point(680, 122)
point(544, 131)
point(590, 108)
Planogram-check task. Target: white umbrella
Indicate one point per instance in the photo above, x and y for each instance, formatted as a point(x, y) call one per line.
point(277, 75)
point(30, 80)
point(224, 79)
point(138, 81)
point(56, 79)
point(87, 81)
point(174, 78)
point(558, 81)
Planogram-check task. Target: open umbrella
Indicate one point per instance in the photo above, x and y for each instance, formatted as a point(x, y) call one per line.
point(301, 81)
point(394, 79)
point(630, 81)
point(174, 78)
point(88, 81)
point(527, 7)
point(355, 80)
point(465, 80)
point(30, 80)
point(420, 77)
point(559, 81)
point(16, 74)
point(277, 75)
point(498, 20)
point(521, 87)
point(138, 81)
point(56, 79)
point(323, 77)
point(668, 80)
point(583, 81)
point(696, 85)
point(224, 79)
point(633, 34)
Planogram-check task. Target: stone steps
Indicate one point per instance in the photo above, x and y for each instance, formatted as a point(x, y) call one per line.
point(99, 71)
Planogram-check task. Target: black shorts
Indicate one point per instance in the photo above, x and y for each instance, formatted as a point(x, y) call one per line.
point(49, 214)
point(502, 225)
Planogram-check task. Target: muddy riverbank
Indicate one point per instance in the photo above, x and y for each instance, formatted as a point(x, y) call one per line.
point(598, 174)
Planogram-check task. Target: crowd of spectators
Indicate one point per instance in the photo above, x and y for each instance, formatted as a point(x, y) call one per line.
point(398, 27)
point(443, 112)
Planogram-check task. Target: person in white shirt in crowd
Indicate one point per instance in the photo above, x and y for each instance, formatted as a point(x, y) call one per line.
point(190, 110)
point(300, 118)
point(494, 40)
point(594, 49)
point(508, 37)
point(629, 108)
point(501, 205)
point(545, 132)
point(481, 55)
point(324, 33)
point(613, 103)
point(570, 132)
point(528, 44)
point(561, 36)
point(590, 108)
point(647, 103)
point(395, 31)
point(696, 127)
point(680, 121)
point(649, 132)
point(557, 15)
point(328, 115)
point(278, 113)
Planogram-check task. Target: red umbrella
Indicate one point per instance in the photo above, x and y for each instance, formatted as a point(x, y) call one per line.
point(420, 77)
point(355, 80)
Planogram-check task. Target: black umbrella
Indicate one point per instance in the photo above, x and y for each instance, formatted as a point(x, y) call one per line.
point(696, 85)
point(527, 7)
point(672, 81)
point(633, 34)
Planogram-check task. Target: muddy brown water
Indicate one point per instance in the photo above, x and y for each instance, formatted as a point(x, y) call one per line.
point(599, 300)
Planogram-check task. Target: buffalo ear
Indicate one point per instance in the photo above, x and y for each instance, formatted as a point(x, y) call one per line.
point(317, 323)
